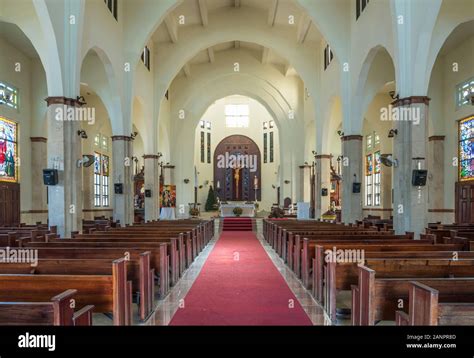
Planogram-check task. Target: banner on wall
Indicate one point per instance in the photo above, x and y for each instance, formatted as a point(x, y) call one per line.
point(168, 196)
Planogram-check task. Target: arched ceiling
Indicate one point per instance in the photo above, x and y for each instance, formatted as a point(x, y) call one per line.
point(283, 14)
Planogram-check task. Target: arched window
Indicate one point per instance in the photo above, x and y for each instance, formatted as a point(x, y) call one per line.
point(8, 150)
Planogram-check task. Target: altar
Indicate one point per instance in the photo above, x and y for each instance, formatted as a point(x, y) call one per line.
point(227, 210)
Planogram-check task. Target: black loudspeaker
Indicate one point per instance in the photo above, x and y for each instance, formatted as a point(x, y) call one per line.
point(118, 188)
point(147, 193)
point(50, 176)
point(418, 177)
point(324, 192)
point(356, 188)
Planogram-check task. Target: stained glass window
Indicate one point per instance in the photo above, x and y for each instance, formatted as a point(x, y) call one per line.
point(377, 168)
point(376, 138)
point(97, 177)
point(209, 147)
point(101, 179)
point(369, 169)
point(8, 150)
point(466, 152)
point(271, 147)
point(8, 95)
point(265, 147)
point(202, 147)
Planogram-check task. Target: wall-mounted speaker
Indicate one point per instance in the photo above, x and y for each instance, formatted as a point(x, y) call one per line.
point(418, 177)
point(147, 193)
point(118, 188)
point(356, 188)
point(50, 176)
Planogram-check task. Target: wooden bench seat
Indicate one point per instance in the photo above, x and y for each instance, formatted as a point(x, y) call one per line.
point(55, 312)
point(108, 293)
point(377, 296)
point(448, 302)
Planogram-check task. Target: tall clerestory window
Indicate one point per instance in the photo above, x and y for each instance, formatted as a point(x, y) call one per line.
point(373, 166)
point(112, 6)
point(237, 115)
point(8, 95)
point(464, 91)
point(101, 171)
point(360, 7)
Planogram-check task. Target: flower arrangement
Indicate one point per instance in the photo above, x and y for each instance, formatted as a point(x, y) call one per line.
point(194, 212)
point(237, 211)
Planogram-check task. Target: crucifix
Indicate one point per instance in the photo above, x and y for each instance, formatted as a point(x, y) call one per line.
point(237, 179)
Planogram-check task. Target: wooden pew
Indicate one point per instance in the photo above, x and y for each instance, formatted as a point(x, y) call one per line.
point(124, 245)
point(451, 303)
point(138, 272)
point(55, 312)
point(159, 260)
point(108, 293)
point(341, 276)
point(375, 299)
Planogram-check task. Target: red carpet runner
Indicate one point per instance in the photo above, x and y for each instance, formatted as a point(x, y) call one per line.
point(239, 285)
point(237, 224)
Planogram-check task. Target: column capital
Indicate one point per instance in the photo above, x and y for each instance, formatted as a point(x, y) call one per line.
point(151, 156)
point(352, 137)
point(39, 139)
point(436, 137)
point(121, 137)
point(71, 102)
point(411, 100)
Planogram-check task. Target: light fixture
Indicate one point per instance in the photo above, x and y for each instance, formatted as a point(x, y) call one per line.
point(81, 101)
point(393, 95)
point(133, 135)
point(82, 133)
point(340, 133)
point(392, 133)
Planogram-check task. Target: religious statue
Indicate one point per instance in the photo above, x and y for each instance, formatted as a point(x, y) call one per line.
point(237, 178)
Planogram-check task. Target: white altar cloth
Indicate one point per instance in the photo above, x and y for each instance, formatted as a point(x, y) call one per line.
point(248, 210)
point(167, 214)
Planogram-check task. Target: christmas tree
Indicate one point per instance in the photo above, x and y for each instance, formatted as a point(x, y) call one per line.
point(211, 200)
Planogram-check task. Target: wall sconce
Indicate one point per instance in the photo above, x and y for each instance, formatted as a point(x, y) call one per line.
point(133, 135)
point(186, 181)
point(392, 133)
point(340, 133)
point(82, 133)
point(287, 182)
point(81, 101)
point(394, 95)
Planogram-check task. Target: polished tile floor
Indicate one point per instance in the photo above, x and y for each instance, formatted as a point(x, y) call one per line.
point(167, 307)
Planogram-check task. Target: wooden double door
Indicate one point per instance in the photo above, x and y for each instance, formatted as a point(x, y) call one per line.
point(9, 204)
point(465, 202)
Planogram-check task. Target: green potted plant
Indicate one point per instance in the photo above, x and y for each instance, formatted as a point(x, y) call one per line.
point(237, 211)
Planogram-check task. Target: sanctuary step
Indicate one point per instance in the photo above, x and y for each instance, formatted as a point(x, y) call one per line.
point(237, 224)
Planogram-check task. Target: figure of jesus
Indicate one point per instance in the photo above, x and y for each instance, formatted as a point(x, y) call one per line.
point(237, 178)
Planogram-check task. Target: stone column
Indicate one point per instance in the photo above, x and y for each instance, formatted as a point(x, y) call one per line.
point(64, 151)
point(168, 174)
point(386, 191)
point(122, 147)
point(323, 181)
point(410, 147)
point(435, 183)
point(305, 182)
point(39, 161)
point(351, 173)
point(152, 182)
